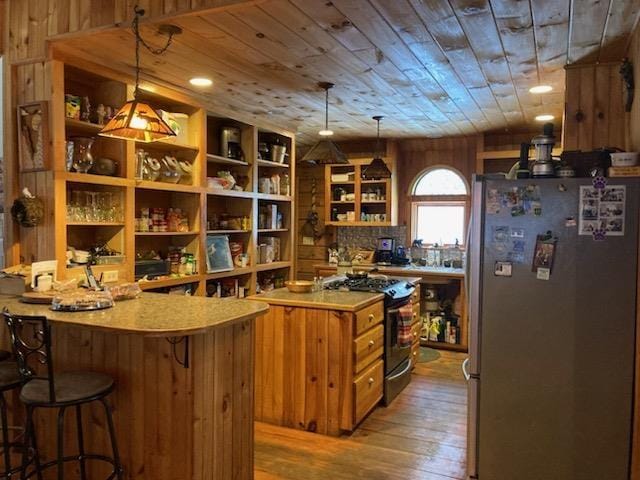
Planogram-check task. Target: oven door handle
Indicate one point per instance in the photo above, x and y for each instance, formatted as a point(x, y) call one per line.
point(403, 372)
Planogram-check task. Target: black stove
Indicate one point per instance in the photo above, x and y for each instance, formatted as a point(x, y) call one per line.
point(394, 289)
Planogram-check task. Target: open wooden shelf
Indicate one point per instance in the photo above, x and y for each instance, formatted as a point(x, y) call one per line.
point(90, 178)
point(200, 136)
point(230, 193)
point(274, 198)
point(236, 272)
point(164, 234)
point(82, 126)
point(171, 187)
point(170, 282)
point(357, 188)
point(167, 146)
point(263, 267)
point(95, 224)
point(269, 163)
point(225, 161)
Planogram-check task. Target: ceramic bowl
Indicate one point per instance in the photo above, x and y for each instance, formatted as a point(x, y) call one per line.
point(299, 286)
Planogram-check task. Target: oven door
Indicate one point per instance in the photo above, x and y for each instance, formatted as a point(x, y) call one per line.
point(394, 355)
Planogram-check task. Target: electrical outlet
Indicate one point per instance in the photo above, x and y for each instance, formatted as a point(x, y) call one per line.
point(110, 276)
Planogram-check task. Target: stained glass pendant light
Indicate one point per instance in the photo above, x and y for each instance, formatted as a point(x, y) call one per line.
point(325, 152)
point(136, 119)
point(377, 169)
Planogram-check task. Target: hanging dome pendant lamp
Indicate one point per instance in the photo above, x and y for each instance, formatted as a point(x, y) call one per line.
point(325, 152)
point(137, 120)
point(377, 169)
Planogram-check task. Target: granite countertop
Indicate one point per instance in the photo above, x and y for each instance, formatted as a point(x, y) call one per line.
point(407, 269)
point(326, 299)
point(152, 314)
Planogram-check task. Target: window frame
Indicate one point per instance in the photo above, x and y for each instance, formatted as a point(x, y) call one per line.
point(439, 200)
point(427, 171)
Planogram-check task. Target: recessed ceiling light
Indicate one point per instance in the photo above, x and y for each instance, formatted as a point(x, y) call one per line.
point(325, 133)
point(541, 89)
point(201, 82)
point(544, 118)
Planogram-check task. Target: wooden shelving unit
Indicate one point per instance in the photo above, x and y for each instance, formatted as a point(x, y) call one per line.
point(371, 209)
point(200, 146)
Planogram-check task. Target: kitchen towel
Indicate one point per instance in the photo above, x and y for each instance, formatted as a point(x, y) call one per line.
point(405, 314)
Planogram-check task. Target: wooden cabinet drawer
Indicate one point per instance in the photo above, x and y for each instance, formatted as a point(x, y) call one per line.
point(367, 390)
point(416, 314)
point(415, 354)
point(368, 317)
point(368, 347)
point(415, 332)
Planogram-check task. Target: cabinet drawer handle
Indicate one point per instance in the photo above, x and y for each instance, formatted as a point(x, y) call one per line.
point(371, 343)
point(415, 335)
point(370, 380)
point(371, 317)
point(415, 314)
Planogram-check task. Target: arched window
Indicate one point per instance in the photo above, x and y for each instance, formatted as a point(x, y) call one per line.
point(439, 206)
point(440, 181)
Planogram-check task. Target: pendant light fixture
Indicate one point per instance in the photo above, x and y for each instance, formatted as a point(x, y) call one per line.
point(136, 119)
point(325, 152)
point(377, 169)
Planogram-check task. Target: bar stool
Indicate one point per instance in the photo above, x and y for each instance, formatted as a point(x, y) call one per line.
point(31, 341)
point(10, 379)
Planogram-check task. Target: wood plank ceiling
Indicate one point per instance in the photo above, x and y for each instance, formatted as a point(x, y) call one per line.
point(431, 67)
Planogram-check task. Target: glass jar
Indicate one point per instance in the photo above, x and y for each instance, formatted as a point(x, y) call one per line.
point(82, 156)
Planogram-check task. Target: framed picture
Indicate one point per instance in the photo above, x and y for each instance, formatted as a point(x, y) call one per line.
point(218, 254)
point(544, 253)
point(33, 137)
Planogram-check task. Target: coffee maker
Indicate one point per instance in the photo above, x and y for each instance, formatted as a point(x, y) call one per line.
point(384, 251)
point(230, 143)
point(543, 165)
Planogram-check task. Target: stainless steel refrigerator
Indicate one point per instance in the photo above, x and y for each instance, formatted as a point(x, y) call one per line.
point(551, 360)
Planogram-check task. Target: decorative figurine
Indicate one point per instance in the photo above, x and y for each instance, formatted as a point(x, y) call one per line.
point(101, 113)
point(85, 110)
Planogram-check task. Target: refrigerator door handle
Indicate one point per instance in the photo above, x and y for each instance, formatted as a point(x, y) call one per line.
point(465, 369)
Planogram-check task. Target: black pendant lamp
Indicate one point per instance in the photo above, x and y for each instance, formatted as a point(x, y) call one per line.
point(377, 169)
point(137, 120)
point(325, 152)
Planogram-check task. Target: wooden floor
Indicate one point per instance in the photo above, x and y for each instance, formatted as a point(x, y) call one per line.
point(421, 436)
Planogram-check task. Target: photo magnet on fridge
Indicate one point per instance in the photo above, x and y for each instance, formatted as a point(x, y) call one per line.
point(544, 252)
point(502, 269)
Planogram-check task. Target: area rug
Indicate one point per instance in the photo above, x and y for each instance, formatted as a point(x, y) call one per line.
point(428, 355)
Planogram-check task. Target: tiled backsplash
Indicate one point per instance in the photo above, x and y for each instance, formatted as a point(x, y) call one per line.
point(367, 237)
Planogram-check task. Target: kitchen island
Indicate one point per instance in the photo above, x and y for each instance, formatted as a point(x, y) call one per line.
point(319, 363)
point(183, 367)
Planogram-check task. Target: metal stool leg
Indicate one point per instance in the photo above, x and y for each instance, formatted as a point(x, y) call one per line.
point(83, 473)
point(6, 446)
point(30, 441)
point(61, 443)
point(112, 437)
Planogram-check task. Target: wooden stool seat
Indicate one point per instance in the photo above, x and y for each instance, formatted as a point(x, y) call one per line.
point(9, 376)
point(70, 388)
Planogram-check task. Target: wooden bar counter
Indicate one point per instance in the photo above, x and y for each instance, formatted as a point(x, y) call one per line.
point(172, 422)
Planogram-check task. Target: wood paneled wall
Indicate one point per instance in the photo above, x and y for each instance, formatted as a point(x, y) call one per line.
point(594, 111)
point(309, 255)
point(633, 117)
point(416, 155)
